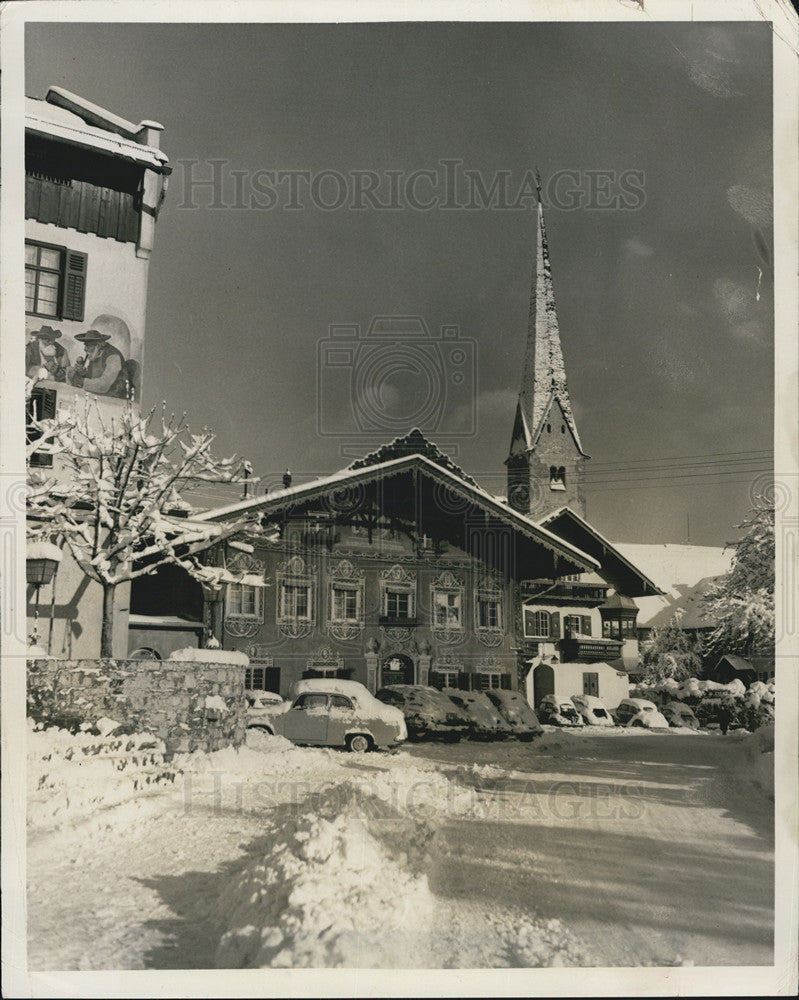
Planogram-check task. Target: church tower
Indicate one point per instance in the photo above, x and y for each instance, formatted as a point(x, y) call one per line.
point(546, 463)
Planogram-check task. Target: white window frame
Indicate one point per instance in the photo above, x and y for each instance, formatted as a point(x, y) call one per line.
point(342, 587)
point(234, 606)
point(284, 613)
point(447, 593)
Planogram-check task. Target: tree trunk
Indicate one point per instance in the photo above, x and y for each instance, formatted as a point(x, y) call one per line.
point(107, 631)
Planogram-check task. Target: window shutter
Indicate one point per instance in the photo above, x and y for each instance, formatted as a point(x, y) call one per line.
point(504, 682)
point(585, 626)
point(554, 625)
point(74, 285)
point(48, 404)
point(463, 680)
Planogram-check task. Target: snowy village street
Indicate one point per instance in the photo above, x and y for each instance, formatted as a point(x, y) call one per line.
point(607, 848)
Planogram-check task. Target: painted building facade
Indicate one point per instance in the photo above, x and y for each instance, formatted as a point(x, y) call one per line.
point(402, 570)
point(94, 184)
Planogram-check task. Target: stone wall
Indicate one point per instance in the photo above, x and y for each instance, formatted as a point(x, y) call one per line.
point(190, 706)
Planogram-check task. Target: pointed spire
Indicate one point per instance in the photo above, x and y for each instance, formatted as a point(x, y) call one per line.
point(543, 373)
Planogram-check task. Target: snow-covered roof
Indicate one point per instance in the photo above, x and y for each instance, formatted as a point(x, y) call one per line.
point(414, 443)
point(623, 572)
point(48, 119)
point(684, 573)
point(323, 485)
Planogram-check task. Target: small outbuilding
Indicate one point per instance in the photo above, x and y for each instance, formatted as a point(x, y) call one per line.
point(565, 679)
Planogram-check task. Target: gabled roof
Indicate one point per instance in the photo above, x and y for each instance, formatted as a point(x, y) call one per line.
point(278, 501)
point(620, 572)
point(116, 139)
point(414, 443)
point(543, 372)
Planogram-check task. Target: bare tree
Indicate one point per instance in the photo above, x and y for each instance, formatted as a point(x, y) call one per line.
point(117, 499)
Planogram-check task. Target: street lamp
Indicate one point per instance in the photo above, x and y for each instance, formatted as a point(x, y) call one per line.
point(41, 562)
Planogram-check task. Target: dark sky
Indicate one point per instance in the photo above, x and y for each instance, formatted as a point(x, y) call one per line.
point(668, 349)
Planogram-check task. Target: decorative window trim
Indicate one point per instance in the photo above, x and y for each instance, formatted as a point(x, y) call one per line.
point(294, 573)
point(244, 625)
point(448, 633)
point(398, 580)
point(345, 576)
point(256, 671)
point(489, 590)
point(325, 661)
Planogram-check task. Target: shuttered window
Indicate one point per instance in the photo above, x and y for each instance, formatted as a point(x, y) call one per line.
point(41, 406)
point(55, 281)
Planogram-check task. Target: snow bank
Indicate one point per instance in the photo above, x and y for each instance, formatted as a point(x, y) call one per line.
point(325, 893)
point(193, 655)
point(74, 776)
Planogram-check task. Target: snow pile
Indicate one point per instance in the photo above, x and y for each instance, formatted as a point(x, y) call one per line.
point(326, 893)
point(72, 776)
point(191, 654)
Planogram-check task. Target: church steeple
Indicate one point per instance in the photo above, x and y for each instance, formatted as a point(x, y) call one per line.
point(546, 460)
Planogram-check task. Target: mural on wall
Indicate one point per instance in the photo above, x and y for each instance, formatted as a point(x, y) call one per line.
point(104, 359)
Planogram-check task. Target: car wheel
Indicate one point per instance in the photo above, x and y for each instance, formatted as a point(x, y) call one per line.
point(263, 729)
point(358, 743)
point(637, 724)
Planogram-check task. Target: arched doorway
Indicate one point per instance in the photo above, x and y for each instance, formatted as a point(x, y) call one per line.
point(397, 669)
point(543, 683)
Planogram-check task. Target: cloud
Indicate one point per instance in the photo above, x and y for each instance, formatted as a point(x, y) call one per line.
point(637, 248)
point(752, 204)
point(734, 300)
point(752, 332)
point(712, 60)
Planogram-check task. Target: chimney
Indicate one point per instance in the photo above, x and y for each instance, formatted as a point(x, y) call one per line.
point(287, 478)
point(149, 134)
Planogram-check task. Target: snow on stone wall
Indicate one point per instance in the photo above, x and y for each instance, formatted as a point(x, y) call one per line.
point(168, 698)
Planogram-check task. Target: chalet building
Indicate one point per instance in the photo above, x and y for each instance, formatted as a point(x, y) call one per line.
point(399, 569)
point(94, 184)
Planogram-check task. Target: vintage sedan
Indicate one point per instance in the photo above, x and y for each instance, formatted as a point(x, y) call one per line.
point(335, 713)
point(513, 707)
point(593, 710)
point(556, 711)
point(428, 712)
point(486, 721)
point(680, 716)
point(640, 713)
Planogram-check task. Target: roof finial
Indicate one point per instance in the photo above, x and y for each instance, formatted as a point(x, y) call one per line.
point(538, 183)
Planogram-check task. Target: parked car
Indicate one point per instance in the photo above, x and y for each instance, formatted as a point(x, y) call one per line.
point(556, 711)
point(260, 704)
point(639, 712)
point(513, 707)
point(428, 712)
point(679, 715)
point(593, 710)
point(486, 722)
point(335, 713)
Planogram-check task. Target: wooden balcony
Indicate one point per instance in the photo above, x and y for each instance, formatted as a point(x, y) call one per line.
point(589, 650)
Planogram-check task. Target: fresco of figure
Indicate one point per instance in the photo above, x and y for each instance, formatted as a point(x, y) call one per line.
point(102, 369)
point(44, 358)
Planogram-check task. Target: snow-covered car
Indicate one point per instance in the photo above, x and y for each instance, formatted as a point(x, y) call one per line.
point(428, 712)
point(640, 713)
point(259, 705)
point(679, 715)
point(593, 710)
point(335, 713)
point(554, 711)
point(513, 707)
point(486, 722)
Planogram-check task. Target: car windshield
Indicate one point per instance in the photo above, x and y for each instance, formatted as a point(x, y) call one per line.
point(647, 708)
point(600, 713)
